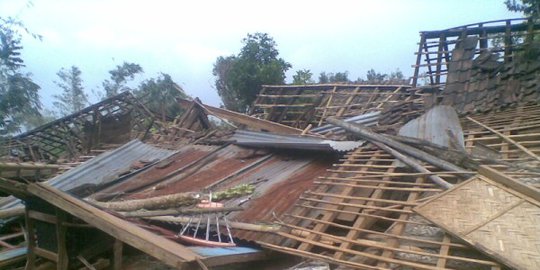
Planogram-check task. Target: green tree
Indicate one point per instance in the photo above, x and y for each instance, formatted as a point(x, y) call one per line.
point(19, 96)
point(256, 64)
point(323, 78)
point(339, 77)
point(160, 94)
point(396, 76)
point(221, 71)
point(375, 77)
point(73, 97)
point(119, 77)
point(303, 76)
point(530, 8)
point(34, 121)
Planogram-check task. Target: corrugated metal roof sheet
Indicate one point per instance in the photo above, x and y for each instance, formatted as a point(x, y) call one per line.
point(368, 119)
point(434, 125)
point(278, 178)
point(103, 168)
point(175, 165)
point(271, 140)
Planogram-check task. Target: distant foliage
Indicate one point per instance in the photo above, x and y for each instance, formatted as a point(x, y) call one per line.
point(239, 77)
point(530, 8)
point(73, 97)
point(339, 77)
point(119, 77)
point(19, 98)
point(303, 76)
point(222, 70)
point(159, 95)
point(34, 121)
point(374, 77)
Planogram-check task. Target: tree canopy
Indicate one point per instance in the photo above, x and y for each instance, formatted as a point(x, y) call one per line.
point(374, 77)
point(338, 77)
point(303, 76)
point(160, 94)
point(529, 8)
point(239, 77)
point(119, 77)
point(19, 96)
point(73, 97)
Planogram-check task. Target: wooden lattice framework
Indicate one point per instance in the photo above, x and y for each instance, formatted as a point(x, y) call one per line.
point(434, 49)
point(520, 124)
point(79, 132)
point(302, 105)
point(360, 216)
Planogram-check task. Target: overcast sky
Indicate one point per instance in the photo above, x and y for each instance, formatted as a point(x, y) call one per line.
point(183, 38)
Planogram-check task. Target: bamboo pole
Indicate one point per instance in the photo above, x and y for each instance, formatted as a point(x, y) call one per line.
point(181, 211)
point(416, 153)
point(160, 202)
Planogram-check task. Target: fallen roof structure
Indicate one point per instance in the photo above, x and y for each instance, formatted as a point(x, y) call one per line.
point(283, 179)
point(114, 120)
point(300, 106)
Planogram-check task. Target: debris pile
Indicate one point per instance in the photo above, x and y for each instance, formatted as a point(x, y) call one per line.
point(442, 176)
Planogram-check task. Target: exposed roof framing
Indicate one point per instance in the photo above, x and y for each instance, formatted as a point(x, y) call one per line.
point(302, 105)
point(80, 131)
point(520, 124)
point(361, 216)
point(435, 47)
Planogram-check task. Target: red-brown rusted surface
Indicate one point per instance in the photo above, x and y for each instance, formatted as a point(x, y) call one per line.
point(279, 197)
point(186, 156)
point(217, 166)
point(279, 180)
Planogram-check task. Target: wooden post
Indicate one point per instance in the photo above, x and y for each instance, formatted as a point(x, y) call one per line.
point(31, 239)
point(418, 60)
point(118, 247)
point(63, 258)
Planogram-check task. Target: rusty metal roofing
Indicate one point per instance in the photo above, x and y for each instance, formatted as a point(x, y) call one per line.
point(271, 140)
point(278, 178)
point(102, 169)
point(177, 165)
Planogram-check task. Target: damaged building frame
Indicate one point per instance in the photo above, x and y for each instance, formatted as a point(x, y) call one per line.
point(443, 175)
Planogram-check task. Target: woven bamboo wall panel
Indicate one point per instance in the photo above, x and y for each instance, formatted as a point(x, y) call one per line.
point(516, 234)
point(468, 206)
point(501, 222)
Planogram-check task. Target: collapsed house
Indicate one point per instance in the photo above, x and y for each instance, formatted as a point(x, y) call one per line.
point(436, 176)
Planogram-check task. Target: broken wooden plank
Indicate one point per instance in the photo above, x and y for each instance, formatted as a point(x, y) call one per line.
point(251, 122)
point(169, 252)
point(12, 212)
point(508, 181)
